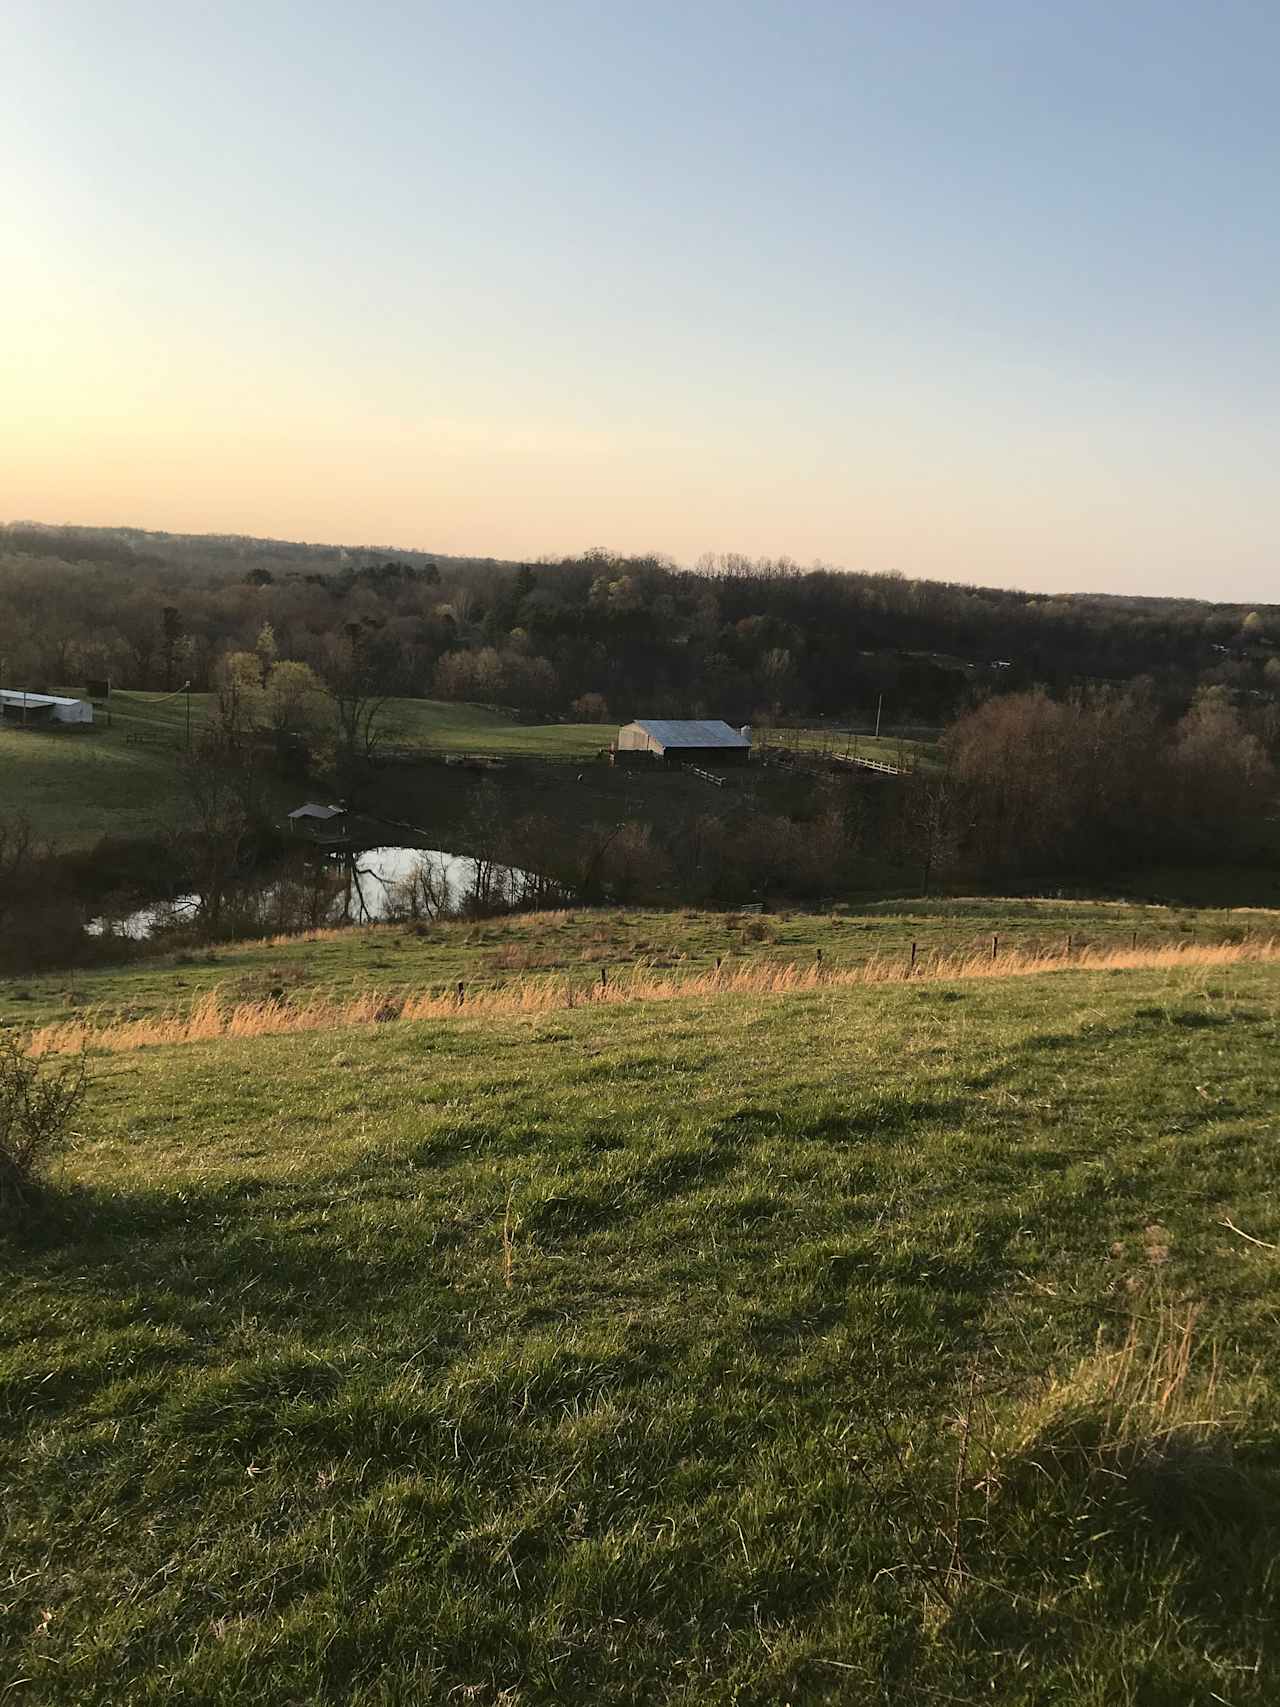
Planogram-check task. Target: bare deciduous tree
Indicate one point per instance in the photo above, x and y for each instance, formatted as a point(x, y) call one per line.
point(929, 815)
point(357, 688)
point(219, 822)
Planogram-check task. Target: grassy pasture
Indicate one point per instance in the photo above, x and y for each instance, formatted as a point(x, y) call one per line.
point(697, 1354)
point(478, 729)
point(77, 785)
point(502, 951)
point(119, 780)
point(891, 749)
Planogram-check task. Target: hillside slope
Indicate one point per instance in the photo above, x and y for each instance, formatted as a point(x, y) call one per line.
point(574, 947)
point(122, 777)
point(695, 1352)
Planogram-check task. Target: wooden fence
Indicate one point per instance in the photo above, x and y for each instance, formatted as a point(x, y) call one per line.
point(815, 757)
point(868, 764)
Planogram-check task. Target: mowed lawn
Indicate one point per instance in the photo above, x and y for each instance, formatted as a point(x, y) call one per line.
point(453, 728)
point(687, 1353)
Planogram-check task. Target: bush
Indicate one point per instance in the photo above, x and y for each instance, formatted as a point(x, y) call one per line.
point(591, 708)
point(39, 1096)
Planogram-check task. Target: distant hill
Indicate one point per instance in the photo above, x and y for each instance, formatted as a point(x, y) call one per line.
point(208, 550)
point(733, 637)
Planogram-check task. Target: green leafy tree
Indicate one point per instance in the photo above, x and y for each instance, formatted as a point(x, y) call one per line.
point(266, 649)
point(240, 703)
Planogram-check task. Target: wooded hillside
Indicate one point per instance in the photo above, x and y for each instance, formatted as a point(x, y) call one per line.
point(733, 636)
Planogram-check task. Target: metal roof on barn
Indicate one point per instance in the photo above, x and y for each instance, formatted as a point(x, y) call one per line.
point(691, 732)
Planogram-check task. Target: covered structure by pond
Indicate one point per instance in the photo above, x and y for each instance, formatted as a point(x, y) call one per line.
point(682, 741)
point(18, 706)
point(313, 815)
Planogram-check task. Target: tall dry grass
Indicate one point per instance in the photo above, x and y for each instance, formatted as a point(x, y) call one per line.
point(214, 1016)
point(1148, 1404)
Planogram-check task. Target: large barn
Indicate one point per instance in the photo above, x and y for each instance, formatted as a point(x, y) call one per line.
point(30, 708)
point(694, 741)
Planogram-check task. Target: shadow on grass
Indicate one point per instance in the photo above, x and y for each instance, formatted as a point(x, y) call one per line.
point(1195, 1526)
point(240, 1237)
point(888, 1115)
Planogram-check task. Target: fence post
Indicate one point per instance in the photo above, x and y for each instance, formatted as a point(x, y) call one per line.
point(461, 992)
point(995, 947)
point(913, 957)
point(604, 977)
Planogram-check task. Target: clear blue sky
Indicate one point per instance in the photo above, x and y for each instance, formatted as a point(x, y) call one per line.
point(989, 292)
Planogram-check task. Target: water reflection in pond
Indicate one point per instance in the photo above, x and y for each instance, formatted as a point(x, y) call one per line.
point(350, 887)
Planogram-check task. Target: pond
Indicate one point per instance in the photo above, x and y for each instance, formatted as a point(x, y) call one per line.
point(315, 889)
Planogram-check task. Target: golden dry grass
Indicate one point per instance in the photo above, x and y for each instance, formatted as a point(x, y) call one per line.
point(318, 933)
point(1148, 1402)
point(213, 1016)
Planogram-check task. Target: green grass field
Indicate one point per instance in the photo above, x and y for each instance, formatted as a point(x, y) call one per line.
point(444, 727)
point(731, 1350)
point(890, 749)
point(500, 951)
point(77, 785)
point(120, 780)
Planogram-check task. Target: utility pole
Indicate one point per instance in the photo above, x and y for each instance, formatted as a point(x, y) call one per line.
point(879, 709)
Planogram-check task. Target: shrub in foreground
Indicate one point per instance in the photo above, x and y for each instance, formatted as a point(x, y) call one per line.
point(39, 1097)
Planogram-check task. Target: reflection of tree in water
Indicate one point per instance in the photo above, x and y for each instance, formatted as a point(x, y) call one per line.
point(304, 895)
point(422, 892)
point(438, 885)
point(319, 888)
point(353, 887)
point(315, 888)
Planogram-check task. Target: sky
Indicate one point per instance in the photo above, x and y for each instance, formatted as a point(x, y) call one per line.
point(986, 292)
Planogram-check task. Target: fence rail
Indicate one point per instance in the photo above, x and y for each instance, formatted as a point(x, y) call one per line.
point(868, 764)
point(776, 753)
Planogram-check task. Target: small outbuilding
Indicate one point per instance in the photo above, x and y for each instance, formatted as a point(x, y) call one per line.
point(314, 813)
point(693, 741)
point(20, 707)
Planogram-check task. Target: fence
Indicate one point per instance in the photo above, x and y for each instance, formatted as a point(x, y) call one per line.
point(815, 757)
point(868, 764)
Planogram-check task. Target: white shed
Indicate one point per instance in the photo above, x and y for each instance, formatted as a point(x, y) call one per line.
point(22, 707)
